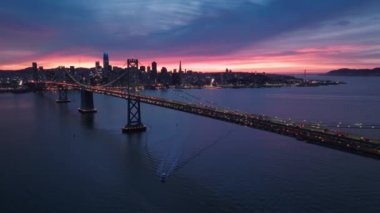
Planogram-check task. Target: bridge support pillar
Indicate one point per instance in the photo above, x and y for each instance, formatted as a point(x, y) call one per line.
point(134, 124)
point(87, 102)
point(62, 95)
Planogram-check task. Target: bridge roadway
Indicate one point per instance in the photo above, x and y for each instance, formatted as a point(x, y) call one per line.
point(301, 131)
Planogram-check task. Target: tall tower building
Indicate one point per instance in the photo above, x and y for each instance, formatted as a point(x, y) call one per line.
point(164, 70)
point(153, 73)
point(35, 71)
point(106, 62)
point(34, 66)
point(180, 66)
point(154, 67)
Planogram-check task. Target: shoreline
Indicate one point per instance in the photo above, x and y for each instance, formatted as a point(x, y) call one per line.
point(312, 83)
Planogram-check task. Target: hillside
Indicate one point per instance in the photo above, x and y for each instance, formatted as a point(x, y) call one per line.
point(355, 72)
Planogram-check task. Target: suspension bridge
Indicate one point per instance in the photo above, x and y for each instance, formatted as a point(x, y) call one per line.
point(308, 132)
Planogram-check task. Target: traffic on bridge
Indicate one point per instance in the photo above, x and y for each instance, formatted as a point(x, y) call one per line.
point(308, 132)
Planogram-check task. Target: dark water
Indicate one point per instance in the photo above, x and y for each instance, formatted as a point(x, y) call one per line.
point(52, 159)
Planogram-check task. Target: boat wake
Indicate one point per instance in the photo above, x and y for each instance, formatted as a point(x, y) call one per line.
point(172, 164)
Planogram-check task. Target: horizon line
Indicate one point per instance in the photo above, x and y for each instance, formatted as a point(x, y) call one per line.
point(235, 71)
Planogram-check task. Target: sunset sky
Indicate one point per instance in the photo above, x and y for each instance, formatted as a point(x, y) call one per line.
point(207, 35)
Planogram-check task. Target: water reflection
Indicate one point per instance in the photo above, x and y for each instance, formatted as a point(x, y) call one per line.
point(88, 120)
point(64, 160)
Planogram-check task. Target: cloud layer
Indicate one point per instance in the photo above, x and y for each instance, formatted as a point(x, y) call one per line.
point(250, 34)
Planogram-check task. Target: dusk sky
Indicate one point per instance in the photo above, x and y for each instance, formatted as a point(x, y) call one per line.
point(207, 35)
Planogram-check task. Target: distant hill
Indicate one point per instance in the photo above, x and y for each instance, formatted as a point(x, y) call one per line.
point(355, 72)
point(28, 69)
point(14, 73)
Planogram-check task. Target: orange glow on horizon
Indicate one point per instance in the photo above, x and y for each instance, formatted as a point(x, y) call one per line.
point(311, 59)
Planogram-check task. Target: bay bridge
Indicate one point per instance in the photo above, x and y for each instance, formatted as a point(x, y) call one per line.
point(308, 132)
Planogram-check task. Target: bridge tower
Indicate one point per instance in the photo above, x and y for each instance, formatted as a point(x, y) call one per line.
point(62, 89)
point(62, 95)
point(86, 102)
point(134, 124)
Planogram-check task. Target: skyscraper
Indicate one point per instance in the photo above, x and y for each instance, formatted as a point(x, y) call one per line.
point(34, 66)
point(164, 76)
point(154, 67)
point(106, 63)
point(153, 74)
point(35, 71)
point(164, 70)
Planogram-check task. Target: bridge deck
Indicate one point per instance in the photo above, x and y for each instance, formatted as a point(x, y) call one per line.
point(307, 132)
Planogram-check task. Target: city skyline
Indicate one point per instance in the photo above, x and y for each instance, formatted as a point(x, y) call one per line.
point(247, 35)
point(190, 106)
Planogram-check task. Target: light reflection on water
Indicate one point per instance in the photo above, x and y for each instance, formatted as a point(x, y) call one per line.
point(53, 159)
